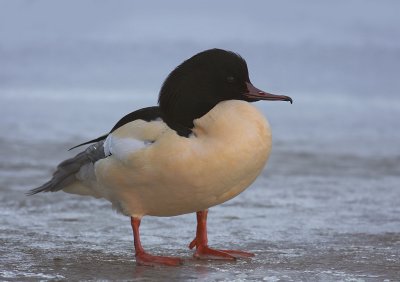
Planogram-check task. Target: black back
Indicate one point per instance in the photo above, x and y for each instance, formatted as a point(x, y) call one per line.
point(146, 114)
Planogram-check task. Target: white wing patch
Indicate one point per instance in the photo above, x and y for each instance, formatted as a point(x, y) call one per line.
point(132, 137)
point(122, 147)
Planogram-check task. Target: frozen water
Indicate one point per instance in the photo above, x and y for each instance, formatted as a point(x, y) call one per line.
point(318, 211)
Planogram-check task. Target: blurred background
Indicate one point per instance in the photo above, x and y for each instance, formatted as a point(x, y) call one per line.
point(70, 69)
point(339, 61)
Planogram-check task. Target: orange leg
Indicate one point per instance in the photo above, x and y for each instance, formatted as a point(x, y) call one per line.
point(143, 258)
point(201, 243)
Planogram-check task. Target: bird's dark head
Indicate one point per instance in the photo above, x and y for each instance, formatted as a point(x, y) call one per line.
point(201, 82)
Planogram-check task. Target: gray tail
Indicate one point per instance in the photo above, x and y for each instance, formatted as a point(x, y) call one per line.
point(67, 170)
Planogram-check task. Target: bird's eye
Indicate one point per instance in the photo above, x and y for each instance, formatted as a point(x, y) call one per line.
point(230, 79)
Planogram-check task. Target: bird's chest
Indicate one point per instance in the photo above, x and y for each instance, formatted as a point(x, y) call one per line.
point(177, 175)
point(210, 167)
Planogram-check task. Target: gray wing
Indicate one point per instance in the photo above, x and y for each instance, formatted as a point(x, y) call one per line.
point(67, 170)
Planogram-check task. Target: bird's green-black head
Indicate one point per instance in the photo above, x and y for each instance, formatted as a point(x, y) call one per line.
point(201, 82)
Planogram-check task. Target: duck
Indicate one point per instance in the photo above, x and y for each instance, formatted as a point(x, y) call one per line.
point(203, 145)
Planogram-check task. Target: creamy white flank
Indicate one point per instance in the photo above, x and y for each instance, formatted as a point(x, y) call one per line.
point(154, 171)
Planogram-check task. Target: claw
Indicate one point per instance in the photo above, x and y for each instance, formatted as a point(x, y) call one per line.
point(146, 259)
point(143, 258)
point(205, 252)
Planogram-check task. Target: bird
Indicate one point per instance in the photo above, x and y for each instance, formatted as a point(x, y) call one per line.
point(203, 144)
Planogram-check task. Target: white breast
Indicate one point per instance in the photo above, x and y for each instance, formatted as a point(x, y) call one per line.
point(177, 175)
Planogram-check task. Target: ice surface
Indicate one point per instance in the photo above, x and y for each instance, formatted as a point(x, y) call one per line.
point(323, 213)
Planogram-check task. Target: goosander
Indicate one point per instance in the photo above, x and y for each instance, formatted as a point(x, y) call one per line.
point(203, 145)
